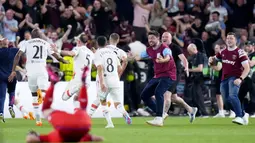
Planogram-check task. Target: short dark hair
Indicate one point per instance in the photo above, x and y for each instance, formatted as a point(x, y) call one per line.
point(153, 32)
point(216, 12)
point(35, 33)
point(101, 41)
point(232, 34)
point(83, 38)
point(114, 37)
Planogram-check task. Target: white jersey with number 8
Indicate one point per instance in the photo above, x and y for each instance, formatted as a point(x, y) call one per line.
point(37, 51)
point(110, 62)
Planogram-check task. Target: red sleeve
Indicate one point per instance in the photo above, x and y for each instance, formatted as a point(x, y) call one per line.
point(44, 138)
point(51, 137)
point(86, 138)
point(242, 55)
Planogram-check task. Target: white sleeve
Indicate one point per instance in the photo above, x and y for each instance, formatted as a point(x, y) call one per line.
point(123, 54)
point(97, 60)
point(22, 46)
point(76, 50)
point(118, 61)
point(225, 12)
point(49, 50)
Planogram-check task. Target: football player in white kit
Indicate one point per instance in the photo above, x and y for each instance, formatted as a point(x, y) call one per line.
point(36, 51)
point(114, 40)
point(82, 57)
point(108, 80)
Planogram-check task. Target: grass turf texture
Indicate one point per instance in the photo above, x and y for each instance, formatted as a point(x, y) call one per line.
point(176, 130)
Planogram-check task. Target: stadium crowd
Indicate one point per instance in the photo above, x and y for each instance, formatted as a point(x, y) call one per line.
point(202, 22)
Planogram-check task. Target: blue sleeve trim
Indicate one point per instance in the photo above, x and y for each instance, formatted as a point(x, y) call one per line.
point(166, 52)
point(144, 54)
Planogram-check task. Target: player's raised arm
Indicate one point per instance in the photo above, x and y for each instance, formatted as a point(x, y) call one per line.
point(50, 51)
point(15, 63)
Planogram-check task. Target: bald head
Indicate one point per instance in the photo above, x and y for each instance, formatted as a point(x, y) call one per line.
point(166, 38)
point(192, 49)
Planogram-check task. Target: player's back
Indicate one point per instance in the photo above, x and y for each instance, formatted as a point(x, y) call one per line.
point(84, 57)
point(119, 52)
point(110, 62)
point(36, 51)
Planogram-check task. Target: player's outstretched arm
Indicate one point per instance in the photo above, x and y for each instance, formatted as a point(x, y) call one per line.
point(15, 63)
point(60, 58)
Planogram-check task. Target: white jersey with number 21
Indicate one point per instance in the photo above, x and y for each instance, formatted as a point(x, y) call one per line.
point(37, 51)
point(110, 62)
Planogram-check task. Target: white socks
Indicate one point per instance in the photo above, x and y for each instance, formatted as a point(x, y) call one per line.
point(122, 110)
point(107, 115)
point(94, 107)
point(22, 109)
point(36, 108)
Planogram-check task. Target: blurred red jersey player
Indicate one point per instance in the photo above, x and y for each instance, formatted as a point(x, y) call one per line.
point(67, 127)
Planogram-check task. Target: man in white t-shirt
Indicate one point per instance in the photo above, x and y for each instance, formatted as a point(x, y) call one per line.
point(108, 80)
point(82, 57)
point(36, 51)
point(122, 56)
point(216, 6)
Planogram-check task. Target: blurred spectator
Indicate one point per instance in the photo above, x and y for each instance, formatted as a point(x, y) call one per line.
point(141, 16)
point(176, 7)
point(100, 16)
point(215, 26)
point(243, 38)
point(240, 17)
point(157, 15)
point(197, 28)
point(51, 12)
point(33, 8)
point(216, 6)
point(58, 41)
point(2, 15)
point(183, 23)
point(17, 7)
point(10, 26)
point(69, 17)
point(125, 31)
point(76, 5)
point(169, 25)
point(208, 42)
point(26, 25)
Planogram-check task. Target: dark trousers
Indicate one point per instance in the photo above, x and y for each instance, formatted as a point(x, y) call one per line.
point(157, 87)
point(247, 86)
point(11, 86)
point(194, 87)
point(3, 87)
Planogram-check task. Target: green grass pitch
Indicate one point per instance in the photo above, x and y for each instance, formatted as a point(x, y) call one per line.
point(176, 130)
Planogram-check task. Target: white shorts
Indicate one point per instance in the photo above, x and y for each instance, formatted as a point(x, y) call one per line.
point(36, 82)
point(114, 93)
